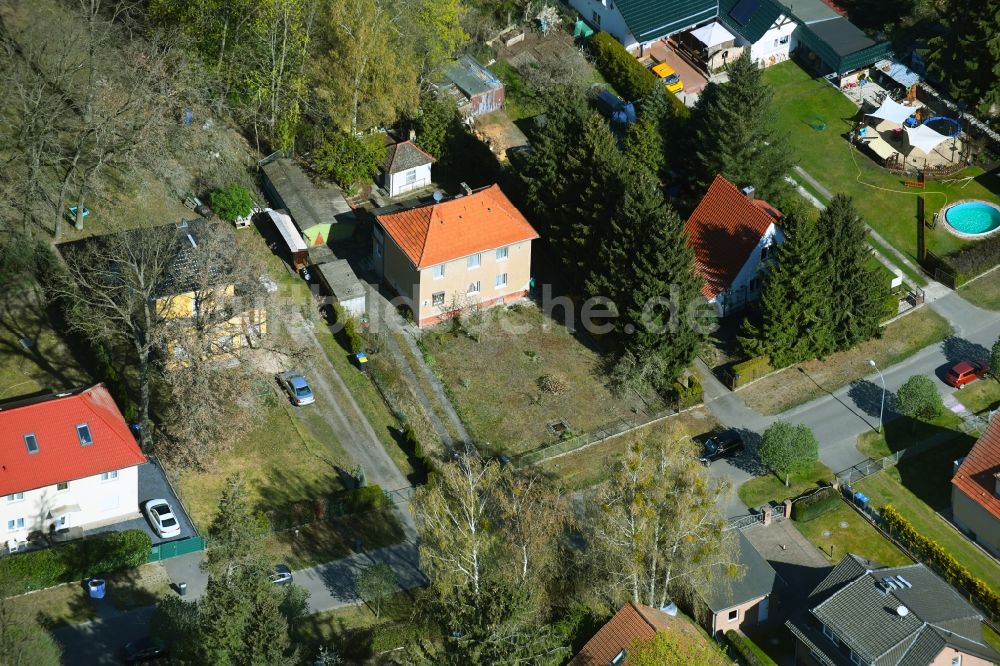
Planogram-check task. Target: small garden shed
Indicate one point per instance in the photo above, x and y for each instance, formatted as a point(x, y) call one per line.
point(340, 282)
point(474, 88)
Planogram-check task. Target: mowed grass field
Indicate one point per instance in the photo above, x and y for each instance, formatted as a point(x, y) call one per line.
point(802, 104)
point(495, 383)
point(984, 292)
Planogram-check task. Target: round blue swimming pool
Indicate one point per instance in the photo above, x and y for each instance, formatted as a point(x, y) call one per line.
point(973, 218)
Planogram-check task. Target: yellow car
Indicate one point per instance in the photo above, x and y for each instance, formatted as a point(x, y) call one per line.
point(669, 77)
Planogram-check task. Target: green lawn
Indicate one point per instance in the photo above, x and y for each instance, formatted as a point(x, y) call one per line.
point(984, 292)
point(842, 531)
point(762, 489)
point(802, 103)
point(888, 488)
point(902, 432)
point(980, 396)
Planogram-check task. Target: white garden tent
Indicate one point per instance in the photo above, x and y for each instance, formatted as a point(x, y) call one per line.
point(893, 111)
point(712, 34)
point(924, 138)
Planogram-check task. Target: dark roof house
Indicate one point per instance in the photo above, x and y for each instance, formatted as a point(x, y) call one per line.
point(403, 156)
point(865, 613)
point(649, 20)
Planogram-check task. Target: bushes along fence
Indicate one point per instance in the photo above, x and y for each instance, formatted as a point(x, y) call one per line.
point(815, 505)
point(620, 68)
point(749, 653)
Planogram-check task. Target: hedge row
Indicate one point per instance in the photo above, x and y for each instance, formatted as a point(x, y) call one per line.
point(348, 335)
point(815, 505)
point(974, 259)
point(75, 561)
point(933, 555)
point(620, 68)
point(421, 461)
point(689, 395)
point(749, 653)
point(751, 369)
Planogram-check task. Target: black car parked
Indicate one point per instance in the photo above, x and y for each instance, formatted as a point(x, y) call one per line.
point(722, 445)
point(143, 651)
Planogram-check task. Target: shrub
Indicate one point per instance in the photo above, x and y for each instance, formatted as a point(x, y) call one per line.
point(815, 505)
point(974, 259)
point(689, 394)
point(348, 335)
point(751, 369)
point(620, 68)
point(937, 558)
point(349, 159)
point(390, 636)
point(749, 653)
point(366, 498)
point(232, 203)
point(553, 384)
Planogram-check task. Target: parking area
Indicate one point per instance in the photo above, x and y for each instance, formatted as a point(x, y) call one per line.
point(792, 556)
point(152, 485)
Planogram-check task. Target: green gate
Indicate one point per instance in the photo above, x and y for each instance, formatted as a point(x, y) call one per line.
point(164, 551)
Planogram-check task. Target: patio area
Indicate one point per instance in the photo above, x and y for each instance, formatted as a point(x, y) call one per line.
point(661, 51)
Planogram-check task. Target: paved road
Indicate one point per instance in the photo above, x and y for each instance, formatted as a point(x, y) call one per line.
point(840, 417)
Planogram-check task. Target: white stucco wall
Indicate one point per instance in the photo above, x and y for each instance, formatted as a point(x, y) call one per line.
point(607, 18)
point(769, 45)
point(396, 183)
point(100, 502)
point(772, 237)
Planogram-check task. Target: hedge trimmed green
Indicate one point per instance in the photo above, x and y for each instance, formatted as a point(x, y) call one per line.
point(974, 259)
point(620, 68)
point(751, 369)
point(937, 558)
point(815, 505)
point(690, 395)
point(75, 561)
point(750, 654)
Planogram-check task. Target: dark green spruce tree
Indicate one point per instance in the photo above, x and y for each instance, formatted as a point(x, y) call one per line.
point(795, 306)
point(735, 134)
point(646, 268)
point(965, 56)
point(859, 291)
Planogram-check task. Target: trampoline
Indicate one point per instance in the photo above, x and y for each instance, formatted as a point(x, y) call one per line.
point(952, 121)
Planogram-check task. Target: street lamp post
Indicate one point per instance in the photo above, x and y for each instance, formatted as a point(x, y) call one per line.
point(881, 409)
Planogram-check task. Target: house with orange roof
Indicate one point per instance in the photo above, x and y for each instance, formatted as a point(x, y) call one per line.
point(636, 623)
point(733, 236)
point(66, 460)
point(473, 250)
point(975, 490)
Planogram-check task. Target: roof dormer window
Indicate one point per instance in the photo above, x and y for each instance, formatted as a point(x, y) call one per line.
point(83, 434)
point(31, 442)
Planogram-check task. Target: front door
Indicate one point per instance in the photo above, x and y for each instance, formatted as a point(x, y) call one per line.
point(762, 609)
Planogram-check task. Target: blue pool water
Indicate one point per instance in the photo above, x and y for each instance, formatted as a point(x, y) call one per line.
point(973, 217)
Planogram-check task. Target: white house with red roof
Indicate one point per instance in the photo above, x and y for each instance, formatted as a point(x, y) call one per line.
point(733, 235)
point(975, 490)
point(66, 460)
point(471, 250)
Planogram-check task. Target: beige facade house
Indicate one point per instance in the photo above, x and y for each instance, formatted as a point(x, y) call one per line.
point(473, 250)
point(68, 460)
point(975, 490)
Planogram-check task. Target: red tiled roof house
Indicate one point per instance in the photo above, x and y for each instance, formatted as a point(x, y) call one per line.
point(732, 235)
point(975, 490)
point(66, 460)
point(473, 249)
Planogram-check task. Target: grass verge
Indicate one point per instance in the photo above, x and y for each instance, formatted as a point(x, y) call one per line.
point(803, 382)
point(984, 292)
point(842, 531)
point(762, 489)
point(902, 432)
point(330, 540)
point(980, 396)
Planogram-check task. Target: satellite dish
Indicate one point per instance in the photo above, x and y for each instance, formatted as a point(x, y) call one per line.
point(902, 611)
point(438, 195)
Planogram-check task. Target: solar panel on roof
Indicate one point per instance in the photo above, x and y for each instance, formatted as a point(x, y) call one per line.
point(744, 11)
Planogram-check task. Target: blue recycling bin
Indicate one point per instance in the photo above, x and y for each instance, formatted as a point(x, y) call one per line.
point(96, 587)
point(861, 499)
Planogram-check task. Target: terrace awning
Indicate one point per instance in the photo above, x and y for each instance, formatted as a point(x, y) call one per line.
point(893, 111)
point(713, 34)
point(924, 138)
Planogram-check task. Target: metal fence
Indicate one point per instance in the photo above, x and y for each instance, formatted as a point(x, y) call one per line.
point(166, 550)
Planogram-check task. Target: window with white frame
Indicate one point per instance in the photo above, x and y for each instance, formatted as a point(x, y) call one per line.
point(473, 288)
point(411, 176)
point(437, 298)
point(31, 442)
point(501, 280)
point(474, 261)
point(828, 632)
point(83, 434)
point(956, 660)
point(501, 253)
point(734, 615)
point(62, 486)
point(439, 271)
point(855, 659)
point(15, 497)
point(109, 476)
point(15, 524)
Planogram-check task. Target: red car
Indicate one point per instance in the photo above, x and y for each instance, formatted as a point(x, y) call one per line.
point(964, 372)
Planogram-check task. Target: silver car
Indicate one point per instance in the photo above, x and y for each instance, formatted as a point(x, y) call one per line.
point(297, 388)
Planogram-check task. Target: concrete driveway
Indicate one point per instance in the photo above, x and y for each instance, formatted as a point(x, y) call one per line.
point(799, 564)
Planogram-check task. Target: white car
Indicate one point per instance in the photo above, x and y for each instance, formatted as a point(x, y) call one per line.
point(162, 519)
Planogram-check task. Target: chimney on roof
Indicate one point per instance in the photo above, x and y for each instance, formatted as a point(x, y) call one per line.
point(413, 134)
point(749, 190)
point(465, 188)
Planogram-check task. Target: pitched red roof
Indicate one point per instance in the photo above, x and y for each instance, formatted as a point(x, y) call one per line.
point(60, 456)
point(975, 476)
point(634, 622)
point(439, 232)
point(723, 230)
